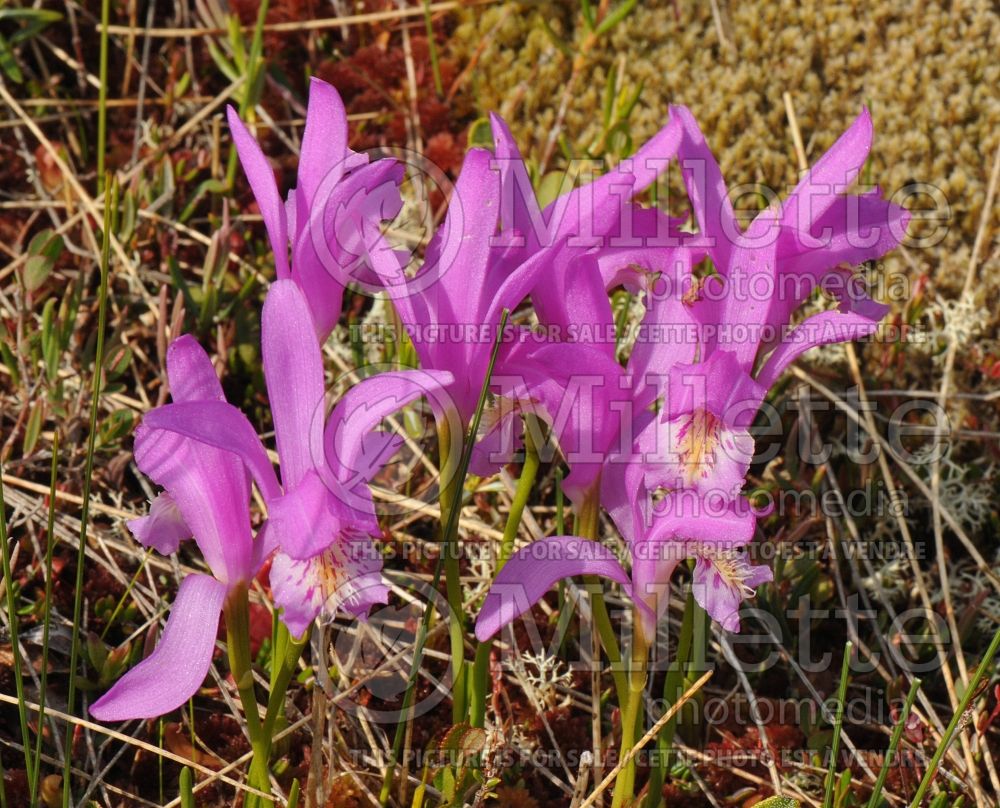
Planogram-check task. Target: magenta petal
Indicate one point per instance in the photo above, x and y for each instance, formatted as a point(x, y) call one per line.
point(324, 141)
point(532, 571)
point(686, 516)
point(653, 564)
point(856, 228)
point(519, 212)
point(163, 528)
point(190, 372)
point(351, 458)
point(830, 177)
point(707, 189)
point(210, 488)
point(293, 368)
point(223, 426)
point(721, 582)
point(717, 596)
point(338, 230)
point(175, 670)
point(465, 240)
point(821, 329)
point(346, 576)
point(302, 522)
point(265, 190)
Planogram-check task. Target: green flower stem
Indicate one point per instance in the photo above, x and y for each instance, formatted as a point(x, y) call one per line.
point(632, 714)
point(673, 688)
point(587, 524)
point(838, 718)
point(285, 657)
point(451, 450)
point(237, 612)
point(481, 667)
point(110, 213)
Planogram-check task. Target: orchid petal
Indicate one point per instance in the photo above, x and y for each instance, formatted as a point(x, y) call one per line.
point(822, 329)
point(461, 253)
point(293, 369)
point(210, 488)
point(223, 426)
point(168, 677)
point(308, 519)
point(324, 141)
point(163, 528)
point(261, 178)
point(721, 582)
point(830, 177)
point(532, 571)
point(363, 407)
point(707, 189)
point(190, 373)
point(345, 576)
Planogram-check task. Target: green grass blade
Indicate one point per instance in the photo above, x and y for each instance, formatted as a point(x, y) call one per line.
point(110, 205)
point(956, 719)
point(46, 611)
point(897, 733)
point(15, 643)
point(432, 49)
point(102, 96)
point(838, 721)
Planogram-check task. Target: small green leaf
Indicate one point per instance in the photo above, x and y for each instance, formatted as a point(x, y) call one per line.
point(778, 802)
point(43, 251)
point(117, 361)
point(8, 62)
point(616, 17)
point(186, 788)
point(33, 428)
point(115, 427)
point(480, 133)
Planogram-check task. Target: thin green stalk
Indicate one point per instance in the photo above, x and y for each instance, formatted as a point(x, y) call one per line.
point(450, 528)
point(838, 721)
point(673, 688)
point(50, 538)
point(237, 613)
point(560, 531)
point(451, 451)
point(632, 716)
point(956, 719)
point(102, 96)
point(529, 471)
point(897, 733)
point(110, 208)
point(481, 666)
point(588, 520)
point(285, 656)
point(15, 642)
point(432, 49)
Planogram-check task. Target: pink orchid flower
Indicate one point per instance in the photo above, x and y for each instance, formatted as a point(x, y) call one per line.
point(321, 517)
point(206, 496)
point(204, 452)
point(333, 213)
point(699, 448)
